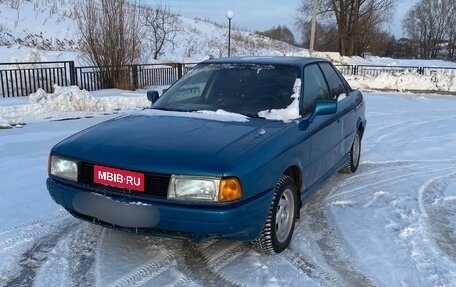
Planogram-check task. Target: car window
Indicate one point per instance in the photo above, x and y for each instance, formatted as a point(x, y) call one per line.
point(336, 85)
point(239, 88)
point(315, 88)
point(191, 88)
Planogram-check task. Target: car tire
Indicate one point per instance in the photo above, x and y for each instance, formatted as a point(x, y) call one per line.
point(355, 155)
point(279, 226)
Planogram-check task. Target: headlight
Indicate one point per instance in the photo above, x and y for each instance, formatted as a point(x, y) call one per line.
point(63, 168)
point(214, 189)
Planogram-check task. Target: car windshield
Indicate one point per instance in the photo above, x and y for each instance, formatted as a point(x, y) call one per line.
point(237, 88)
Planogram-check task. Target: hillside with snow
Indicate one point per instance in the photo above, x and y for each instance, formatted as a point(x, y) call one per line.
point(393, 223)
point(45, 30)
point(48, 29)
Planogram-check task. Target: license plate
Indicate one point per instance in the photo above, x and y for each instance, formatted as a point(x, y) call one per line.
point(118, 178)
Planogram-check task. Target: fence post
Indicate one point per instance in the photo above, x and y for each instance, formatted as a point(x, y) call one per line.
point(355, 70)
point(134, 76)
point(180, 69)
point(72, 71)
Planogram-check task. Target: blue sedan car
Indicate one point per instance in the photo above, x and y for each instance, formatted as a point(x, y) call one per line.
point(231, 150)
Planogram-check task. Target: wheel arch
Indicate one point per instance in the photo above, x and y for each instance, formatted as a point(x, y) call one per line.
point(361, 126)
point(294, 172)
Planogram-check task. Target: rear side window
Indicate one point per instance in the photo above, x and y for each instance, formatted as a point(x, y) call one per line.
point(336, 86)
point(315, 88)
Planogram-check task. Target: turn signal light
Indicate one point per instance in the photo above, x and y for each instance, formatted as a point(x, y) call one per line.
point(230, 189)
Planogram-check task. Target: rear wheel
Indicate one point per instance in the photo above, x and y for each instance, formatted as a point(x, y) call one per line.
point(279, 226)
point(355, 155)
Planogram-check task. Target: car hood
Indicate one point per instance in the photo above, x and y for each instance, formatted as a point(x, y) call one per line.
point(168, 143)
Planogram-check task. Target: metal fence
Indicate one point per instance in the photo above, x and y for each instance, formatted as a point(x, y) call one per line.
point(94, 78)
point(22, 79)
point(376, 70)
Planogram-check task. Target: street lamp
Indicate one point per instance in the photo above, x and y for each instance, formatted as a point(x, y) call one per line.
point(229, 14)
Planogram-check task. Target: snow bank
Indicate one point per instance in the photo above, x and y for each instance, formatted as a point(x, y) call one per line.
point(67, 99)
point(68, 102)
point(438, 82)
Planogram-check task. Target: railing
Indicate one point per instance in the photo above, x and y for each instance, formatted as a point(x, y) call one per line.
point(94, 78)
point(376, 70)
point(22, 79)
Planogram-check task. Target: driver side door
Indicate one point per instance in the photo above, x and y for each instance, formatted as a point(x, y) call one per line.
point(325, 130)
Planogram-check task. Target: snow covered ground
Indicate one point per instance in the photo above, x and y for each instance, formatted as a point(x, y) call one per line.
point(393, 223)
point(38, 30)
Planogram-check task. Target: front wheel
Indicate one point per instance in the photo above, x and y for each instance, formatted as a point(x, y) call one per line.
point(355, 155)
point(279, 226)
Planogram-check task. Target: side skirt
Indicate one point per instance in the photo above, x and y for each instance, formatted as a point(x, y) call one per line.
point(308, 192)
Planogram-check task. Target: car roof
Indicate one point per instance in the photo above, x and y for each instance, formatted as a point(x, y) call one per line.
point(262, 60)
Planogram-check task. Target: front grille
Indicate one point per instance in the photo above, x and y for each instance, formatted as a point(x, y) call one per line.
point(154, 184)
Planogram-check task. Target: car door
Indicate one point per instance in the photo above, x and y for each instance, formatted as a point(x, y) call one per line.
point(345, 109)
point(324, 130)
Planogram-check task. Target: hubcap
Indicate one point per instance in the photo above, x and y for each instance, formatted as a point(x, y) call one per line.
point(285, 215)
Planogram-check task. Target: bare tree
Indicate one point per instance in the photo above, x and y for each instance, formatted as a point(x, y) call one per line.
point(452, 32)
point(280, 33)
point(354, 19)
point(110, 37)
point(161, 27)
point(427, 22)
point(324, 36)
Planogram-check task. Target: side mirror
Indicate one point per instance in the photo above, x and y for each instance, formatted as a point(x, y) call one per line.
point(152, 96)
point(325, 108)
point(321, 108)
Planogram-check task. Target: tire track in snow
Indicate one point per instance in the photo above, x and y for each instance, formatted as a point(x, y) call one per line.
point(197, 267)
point(380, 184)
point(374, 173)
point(381, 134)
point(438, 212)
point(82, 245)
point(183, 281)
point(71, 261)
point(215, 254)
point(34, 257)
point(326, 239)
point(300, 262)
point(38, 232)
point(225, 254)
point(59, 215)
point(147, 271)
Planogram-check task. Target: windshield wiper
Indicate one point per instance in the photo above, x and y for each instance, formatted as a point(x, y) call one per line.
point(165, 109)
point(251, 115)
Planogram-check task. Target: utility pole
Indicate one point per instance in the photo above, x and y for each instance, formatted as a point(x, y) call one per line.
point(314, 22)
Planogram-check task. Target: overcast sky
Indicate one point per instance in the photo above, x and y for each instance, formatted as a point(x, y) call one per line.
point(260, 14)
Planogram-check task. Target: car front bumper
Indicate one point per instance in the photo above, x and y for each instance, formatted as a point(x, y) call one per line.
point(240, 221)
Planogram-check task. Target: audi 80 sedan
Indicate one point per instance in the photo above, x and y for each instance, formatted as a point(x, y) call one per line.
point(231, 150)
